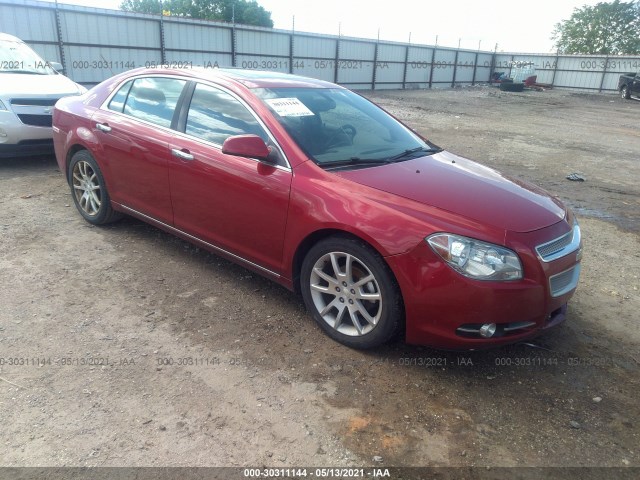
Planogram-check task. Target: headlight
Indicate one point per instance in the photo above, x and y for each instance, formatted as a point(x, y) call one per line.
point(476, 259)
point(2, 107)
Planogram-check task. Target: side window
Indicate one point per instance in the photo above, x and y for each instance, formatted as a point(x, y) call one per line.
point(215, 115)
point(117, 101)
point(154, 99)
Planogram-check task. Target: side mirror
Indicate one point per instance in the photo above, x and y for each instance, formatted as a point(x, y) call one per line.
point(56, 66)
point(250, 146)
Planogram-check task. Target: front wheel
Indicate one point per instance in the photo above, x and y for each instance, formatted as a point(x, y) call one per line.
point(624, 93)
point(351, 293)
point(89, 191)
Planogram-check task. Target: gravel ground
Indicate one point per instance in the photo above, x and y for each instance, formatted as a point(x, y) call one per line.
point(124, 346)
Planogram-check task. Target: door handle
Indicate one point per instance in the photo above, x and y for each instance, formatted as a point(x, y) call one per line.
point(181, 154)
point(103, 127)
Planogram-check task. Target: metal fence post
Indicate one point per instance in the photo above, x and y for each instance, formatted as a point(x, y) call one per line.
point(555, 68)
point(336, 60)
point(604, 73)
point(455, 68)
point(492, 70)
point(60, 41)
point(475, 69)
point(433, 59)
point(163, 55)
point(404, 72)
point(233, 46)
point(291, 53)
point(375, 67)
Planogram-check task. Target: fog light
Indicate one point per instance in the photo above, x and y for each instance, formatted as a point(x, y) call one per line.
point(487, 330)
point(2, 133)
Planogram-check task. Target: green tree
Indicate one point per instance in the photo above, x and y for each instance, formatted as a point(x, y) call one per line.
point(142, 6)
point(605, 28)
point(246, 12)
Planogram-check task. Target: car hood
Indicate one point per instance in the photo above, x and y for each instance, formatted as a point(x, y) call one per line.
point(466, 188)
point(28, 86)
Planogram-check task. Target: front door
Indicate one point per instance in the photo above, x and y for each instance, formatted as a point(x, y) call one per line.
point(238, 204)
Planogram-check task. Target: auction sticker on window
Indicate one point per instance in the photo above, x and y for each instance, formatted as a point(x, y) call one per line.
point(289, 107)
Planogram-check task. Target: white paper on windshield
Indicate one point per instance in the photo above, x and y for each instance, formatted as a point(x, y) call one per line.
point(289, 107)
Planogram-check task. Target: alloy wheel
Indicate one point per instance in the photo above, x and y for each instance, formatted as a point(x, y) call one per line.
point(346, 294)
point(86, 188)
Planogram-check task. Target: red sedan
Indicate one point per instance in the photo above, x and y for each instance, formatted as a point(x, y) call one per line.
point(315, 187)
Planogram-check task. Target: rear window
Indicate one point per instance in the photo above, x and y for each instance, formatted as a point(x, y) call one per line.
point(152, 99)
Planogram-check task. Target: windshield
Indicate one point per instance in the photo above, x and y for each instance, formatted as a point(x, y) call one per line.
point(338, 127)
point(17, 57)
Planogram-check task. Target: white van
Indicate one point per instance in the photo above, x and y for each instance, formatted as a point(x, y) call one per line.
point(29, 88)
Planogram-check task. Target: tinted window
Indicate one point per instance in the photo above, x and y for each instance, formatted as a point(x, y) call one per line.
point(215, 115)
point(338, 125)
point(154, 99)
point(117, 101)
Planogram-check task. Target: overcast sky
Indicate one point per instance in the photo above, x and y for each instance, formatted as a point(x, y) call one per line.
point(516, 26)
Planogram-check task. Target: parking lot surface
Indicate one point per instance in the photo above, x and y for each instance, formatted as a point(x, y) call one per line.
point(124, 346)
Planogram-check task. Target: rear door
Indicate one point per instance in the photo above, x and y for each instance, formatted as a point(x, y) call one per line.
point(238, 204)
point(134, 131)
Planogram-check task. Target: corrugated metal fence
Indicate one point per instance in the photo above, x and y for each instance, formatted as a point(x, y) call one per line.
point(94, 44)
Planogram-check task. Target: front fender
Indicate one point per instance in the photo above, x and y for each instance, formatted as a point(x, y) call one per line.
point(391, 224)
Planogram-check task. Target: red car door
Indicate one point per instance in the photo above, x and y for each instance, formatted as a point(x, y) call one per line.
point(238, 204)
point(133, 132)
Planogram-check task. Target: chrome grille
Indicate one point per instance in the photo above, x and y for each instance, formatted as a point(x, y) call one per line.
point(560, 246)
point(556, 245)
point(564, 282)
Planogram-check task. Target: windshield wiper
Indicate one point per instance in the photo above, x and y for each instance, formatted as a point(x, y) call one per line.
point(355, 161)
point(409, 153)
point(367, 162)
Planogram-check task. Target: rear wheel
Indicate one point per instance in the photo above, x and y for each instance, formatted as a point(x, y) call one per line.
point(89, 191)
point(351, 293)
point(624, 93)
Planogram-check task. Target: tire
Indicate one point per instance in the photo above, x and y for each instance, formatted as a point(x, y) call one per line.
point(355, 312)
point(624, 93)
point(89, 191)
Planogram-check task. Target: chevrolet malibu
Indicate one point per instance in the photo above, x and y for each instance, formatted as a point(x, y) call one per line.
point(317, 188)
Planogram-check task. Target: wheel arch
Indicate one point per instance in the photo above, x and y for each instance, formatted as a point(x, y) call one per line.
point(399, 330)
point(314, 237)
point(75, 148)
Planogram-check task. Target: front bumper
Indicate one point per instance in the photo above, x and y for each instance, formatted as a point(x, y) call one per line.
point(27, 148)
point(445, 309)
point(18, 139)
point(25, 126)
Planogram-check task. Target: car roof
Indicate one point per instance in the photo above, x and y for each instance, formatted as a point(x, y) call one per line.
point(7, 37)
point(247, 78)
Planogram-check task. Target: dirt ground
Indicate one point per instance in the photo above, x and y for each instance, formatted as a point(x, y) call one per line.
point(124, 346)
